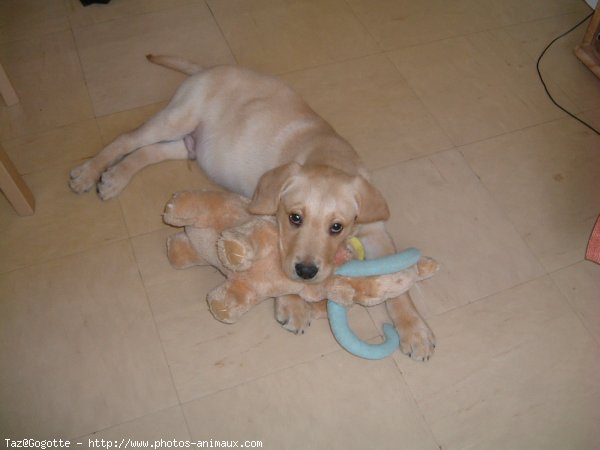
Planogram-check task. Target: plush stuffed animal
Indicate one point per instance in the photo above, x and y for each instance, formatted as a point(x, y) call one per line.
point(219, 230)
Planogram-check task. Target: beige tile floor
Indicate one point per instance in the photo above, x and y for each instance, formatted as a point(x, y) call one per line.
point(101, 339)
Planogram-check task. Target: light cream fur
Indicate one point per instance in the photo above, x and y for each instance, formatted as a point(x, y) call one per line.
point(254, 135)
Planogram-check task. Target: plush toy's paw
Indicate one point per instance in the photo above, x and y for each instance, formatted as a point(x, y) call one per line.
point(235, 251)
point(427, 267)
point(371, 291)
point(220, 308)
point(293, 313)
point(180, 210)
point(206, 209)
point(230, 301)
point(417, 340)
point(341, 292)
point(83, 177)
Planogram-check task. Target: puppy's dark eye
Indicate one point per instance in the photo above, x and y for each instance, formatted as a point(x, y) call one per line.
point(295, 219)
point(336, 228)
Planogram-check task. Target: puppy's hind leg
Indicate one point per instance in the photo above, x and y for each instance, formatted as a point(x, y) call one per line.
point(174, 122)
point(115, 178)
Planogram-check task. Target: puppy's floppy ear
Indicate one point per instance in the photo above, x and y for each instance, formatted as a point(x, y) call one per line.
point(268, 192)
point(372, 207)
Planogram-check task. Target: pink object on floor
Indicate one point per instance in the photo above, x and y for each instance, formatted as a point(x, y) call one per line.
point(593, 248)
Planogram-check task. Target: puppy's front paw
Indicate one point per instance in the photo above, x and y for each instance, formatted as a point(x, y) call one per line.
point(417, 340)
point(83, 177)
point(294, 314)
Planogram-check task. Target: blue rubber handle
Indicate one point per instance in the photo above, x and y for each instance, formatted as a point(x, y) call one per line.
point(381, 266)
point(338, 319)
point(338, 315)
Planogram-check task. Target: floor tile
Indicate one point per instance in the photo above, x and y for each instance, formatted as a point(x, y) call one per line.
point(277, 37)
point(515, 67)
point(63, 223)
point(167, 425)
point(151, 254)
point(205, 355)
point(551, 195)
point(112, 54)
point(592, 117)
point(580, 283)
point(559, 66)
point(46, 75)
point(79, 347)
point(82, 16)
point(478, 86)
point(24, 19)
point(115, 124)
point(518, 366)
point(144, 199)
point(58, 147)
point(438, 205)
point(509, 12)
point(535, 35)
point(336, 401)
point(397, 24)
point(371, 105)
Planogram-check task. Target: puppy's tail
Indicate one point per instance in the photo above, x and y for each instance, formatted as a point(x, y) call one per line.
point(176, 63)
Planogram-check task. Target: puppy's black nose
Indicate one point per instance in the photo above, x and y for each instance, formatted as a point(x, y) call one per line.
point(306, 271)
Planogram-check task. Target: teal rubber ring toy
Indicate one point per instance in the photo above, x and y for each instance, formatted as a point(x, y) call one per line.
point(338, 315)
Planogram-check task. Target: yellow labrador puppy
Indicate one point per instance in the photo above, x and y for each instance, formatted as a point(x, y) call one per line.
point(254, 135)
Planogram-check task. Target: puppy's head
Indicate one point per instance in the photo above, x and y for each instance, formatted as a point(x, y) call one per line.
point(317, 208)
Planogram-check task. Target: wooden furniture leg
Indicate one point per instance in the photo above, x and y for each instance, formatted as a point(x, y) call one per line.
point(589, 49)
point(13, 186)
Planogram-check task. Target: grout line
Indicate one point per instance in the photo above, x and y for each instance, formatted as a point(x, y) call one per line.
point(82, 72)
point(268, 374)
point(214, 17)
point(156, 328)
point(82, 437)
point(487, 297)
point(364, 26)
point(326, 64)
point(567, 300)
point(66, 255)
point(126, 16)
point(483, 30)
point(423, 104)
point(416, 406)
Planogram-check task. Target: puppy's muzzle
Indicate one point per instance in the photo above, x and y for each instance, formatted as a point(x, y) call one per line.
point(306, 271)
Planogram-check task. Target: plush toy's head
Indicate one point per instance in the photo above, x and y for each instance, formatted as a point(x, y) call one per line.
point(317, 208)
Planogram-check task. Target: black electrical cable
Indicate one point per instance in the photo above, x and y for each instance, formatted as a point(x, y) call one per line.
point(537, 66)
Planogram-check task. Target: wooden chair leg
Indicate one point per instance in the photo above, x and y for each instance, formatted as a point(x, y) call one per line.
point(13, 186)
point(588, 51)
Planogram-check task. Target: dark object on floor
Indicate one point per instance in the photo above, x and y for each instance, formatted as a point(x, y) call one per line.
point(537, 66)
point(89, 2)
